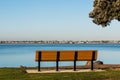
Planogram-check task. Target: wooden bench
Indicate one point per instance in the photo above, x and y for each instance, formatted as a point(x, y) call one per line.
point(65, 55)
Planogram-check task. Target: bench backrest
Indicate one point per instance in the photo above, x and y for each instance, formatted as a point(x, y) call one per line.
point(66, 55)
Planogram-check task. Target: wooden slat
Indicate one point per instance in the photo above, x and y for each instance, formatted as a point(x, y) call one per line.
point(86, 55)
point(67, 55)
point(36, 56)
point(47, 55)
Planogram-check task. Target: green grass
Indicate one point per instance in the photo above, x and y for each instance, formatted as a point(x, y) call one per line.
point(20, 74)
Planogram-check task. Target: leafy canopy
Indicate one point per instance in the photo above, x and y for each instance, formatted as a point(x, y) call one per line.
point(105, 11)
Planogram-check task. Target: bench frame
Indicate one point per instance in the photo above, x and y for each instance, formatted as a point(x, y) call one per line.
point(58, 59)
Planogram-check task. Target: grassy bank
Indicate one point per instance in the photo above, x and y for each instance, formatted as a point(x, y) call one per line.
point(20, 74)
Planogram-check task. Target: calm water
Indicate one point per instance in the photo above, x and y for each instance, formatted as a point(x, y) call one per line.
point(14, 55)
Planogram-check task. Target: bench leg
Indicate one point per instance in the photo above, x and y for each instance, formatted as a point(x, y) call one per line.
point(38, 65)
point(57, 64)
point(92, 65)
point(75, 59)
point(74, 65)
point(93, 57)
point(39, 59)
point(57, 61)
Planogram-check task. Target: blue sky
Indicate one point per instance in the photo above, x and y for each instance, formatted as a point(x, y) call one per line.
point(52, 20)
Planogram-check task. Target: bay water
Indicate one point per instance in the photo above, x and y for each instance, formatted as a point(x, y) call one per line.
point(14, 55)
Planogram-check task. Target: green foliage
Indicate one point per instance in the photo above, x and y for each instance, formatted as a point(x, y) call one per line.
point(104, 11)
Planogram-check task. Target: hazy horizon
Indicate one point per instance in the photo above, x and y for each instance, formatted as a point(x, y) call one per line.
point(52, 20)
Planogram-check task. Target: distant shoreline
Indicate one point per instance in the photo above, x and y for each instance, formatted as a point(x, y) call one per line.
point(62, 42)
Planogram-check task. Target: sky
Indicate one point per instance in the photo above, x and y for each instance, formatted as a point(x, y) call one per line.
point(52, 20)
